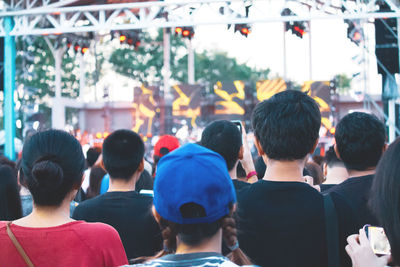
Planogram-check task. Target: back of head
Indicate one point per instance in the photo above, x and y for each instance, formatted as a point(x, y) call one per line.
point(123, 151)
point(287, 125)
point(360, 140)
point(385, 196)
point(10, 202)
point(52, 164)
point(92, 155)
point(224, 138)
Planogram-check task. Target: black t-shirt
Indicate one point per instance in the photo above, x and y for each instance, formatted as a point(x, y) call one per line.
point(239, 184)
point(283, 224)
point(130, 214)
point(356, 192)
point(326, 187)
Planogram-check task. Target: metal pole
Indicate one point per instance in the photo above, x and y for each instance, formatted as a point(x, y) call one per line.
point(310, 49)
point(191, 67)
point(167, 88)
point(58, 109)
point(9, 88)
point(82, 85)
point(284, 53)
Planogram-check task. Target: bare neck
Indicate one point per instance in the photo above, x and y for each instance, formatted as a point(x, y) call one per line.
point(212, 244)
point(121, 185)
point(48, 216)
point(284, 171)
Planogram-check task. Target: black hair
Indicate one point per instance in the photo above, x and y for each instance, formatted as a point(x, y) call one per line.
point(92, 155)
point(10, 201)
point(260, 167)
point(385, 196)
point(123, 151)
point(5, 161)
point(331, 159)
point(287, 125)
point(194, 234)
point(96, 176)
point(224, 138)
point(145, 181)
point(360, 139)
point(52, 164)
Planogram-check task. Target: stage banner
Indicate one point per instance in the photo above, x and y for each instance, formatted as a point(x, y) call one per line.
point(187, 103)
point(145, 107)
point(320, 91)
point(267, 88)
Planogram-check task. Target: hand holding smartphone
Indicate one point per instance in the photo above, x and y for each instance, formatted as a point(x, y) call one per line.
point(378, 240)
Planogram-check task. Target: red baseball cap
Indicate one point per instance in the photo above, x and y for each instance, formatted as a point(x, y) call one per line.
point(166, 141)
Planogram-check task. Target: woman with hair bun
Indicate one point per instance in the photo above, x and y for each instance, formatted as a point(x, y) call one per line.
point(52, 165)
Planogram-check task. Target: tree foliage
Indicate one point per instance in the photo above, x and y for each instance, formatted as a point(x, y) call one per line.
point(145, 63)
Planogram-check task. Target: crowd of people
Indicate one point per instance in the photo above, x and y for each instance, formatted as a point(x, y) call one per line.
point(209, 203)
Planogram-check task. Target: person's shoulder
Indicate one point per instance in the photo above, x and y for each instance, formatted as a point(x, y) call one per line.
point(3, 224)
point(99, 232)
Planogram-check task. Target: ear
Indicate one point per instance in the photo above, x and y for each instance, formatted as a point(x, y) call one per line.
point(314, 146)
point(337, 152)
point(241, 152)
point(259, 147)
point(157, 216)
point(385, 147)
point(141, 166)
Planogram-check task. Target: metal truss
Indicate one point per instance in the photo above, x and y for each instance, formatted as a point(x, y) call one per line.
point(51, 17)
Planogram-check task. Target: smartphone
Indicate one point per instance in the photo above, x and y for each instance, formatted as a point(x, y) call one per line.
point(378, 240)
point(238, 124)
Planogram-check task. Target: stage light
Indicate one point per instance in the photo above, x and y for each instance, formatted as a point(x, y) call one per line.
point(122, 38)
point(244, 29)
point(84, 49)
point(178, 30)
point(76, 48)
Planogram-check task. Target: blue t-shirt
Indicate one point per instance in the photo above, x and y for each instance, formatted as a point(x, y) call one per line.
point(105, 183)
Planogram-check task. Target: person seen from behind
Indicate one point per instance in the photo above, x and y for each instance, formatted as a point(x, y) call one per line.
point(281, 217)
point(384, 202)
point(225, 138)
point(360, 143)
point(53, 164)
point(128, 211)
point(195, 214)
point(164, 145)
point(10, 201)
point(334, 170)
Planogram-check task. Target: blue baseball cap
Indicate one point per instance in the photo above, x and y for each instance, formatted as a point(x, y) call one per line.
point(193, 174)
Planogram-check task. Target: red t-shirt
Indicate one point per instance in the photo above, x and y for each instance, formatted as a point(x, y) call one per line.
point(72, 244)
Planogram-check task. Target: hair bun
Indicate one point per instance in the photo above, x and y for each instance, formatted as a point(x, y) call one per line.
point(48, 174)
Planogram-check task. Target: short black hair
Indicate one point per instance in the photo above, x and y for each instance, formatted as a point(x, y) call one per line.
point(360, 139)
point(224, 138)
point(52, 164)
point(385, 196)
point(92, 155)
point(331, 159)
point(123, 150)
point(287, 125)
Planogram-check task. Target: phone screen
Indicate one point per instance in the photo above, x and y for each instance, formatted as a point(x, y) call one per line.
point(378, 240)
